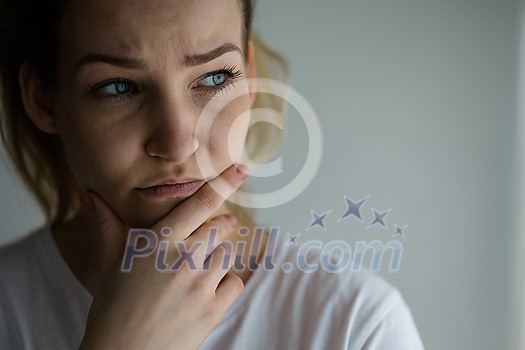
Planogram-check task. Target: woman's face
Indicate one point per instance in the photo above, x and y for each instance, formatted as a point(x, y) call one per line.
point(149, 92)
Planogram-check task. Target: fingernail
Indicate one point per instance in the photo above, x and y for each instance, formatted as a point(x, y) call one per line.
point(242, 170)
point(87, 201)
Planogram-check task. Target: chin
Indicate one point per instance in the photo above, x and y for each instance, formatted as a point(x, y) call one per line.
point(148, 215)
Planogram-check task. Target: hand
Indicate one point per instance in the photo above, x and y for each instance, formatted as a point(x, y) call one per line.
point(149, 309)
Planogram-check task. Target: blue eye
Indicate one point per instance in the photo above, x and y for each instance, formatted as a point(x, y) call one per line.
point(116, 88)
point(215, 79)
point(218, 81)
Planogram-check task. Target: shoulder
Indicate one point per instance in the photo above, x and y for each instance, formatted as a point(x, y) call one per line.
point(317, 278)
point(20, 253)
point(358, 307)
point(38, 304)
point(21, 260)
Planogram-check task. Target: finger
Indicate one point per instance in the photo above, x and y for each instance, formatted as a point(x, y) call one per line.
point(220, 262)
point(229, 289)
point(210, 235)
point(195, 210)
point(111, 230)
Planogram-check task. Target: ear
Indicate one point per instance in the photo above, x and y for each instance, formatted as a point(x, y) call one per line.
point(36, 100)
point(251, 70)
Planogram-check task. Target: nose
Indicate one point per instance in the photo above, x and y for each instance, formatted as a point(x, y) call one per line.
point(173, 134)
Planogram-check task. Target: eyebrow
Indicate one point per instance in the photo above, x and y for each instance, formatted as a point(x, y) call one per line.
point(197, 60)
point(190, 61)
point(113, 60)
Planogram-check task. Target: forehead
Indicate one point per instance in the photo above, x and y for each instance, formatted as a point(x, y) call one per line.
point(140, 26)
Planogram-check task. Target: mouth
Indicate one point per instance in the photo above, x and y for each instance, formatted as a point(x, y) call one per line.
point(169, 189)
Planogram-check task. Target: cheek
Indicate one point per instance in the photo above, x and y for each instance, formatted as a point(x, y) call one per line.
point(236, 136)
point(97, 156)
point(228, 133)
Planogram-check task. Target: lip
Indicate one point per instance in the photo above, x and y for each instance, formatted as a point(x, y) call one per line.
point(173, 189)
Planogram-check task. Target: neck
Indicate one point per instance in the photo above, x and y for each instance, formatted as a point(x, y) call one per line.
point(77, 242)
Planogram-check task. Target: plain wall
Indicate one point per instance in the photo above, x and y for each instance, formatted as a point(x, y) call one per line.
point(417, 101)
point(417, 104)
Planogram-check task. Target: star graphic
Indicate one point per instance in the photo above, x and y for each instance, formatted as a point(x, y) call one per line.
point(292, 238)
point(353, 208)
point(318, 219)
point(400, 231)
point(379, 218)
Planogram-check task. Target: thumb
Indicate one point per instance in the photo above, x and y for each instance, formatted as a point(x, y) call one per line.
point(111, 231)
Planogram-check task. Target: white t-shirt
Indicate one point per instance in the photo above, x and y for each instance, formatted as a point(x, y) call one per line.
point(43, 306)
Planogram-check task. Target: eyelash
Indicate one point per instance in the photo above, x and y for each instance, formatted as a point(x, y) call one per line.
point(232, 73)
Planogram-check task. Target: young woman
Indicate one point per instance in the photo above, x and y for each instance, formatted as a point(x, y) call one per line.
point(128, 120)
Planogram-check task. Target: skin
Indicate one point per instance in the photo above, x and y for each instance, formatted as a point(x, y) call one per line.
point(171, 126)
point(115, 147)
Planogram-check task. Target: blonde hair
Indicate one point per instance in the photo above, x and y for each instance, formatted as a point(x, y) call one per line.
point(263, 139)
point(40, 159)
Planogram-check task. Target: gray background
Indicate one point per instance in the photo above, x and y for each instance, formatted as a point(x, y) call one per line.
point(418, 105)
